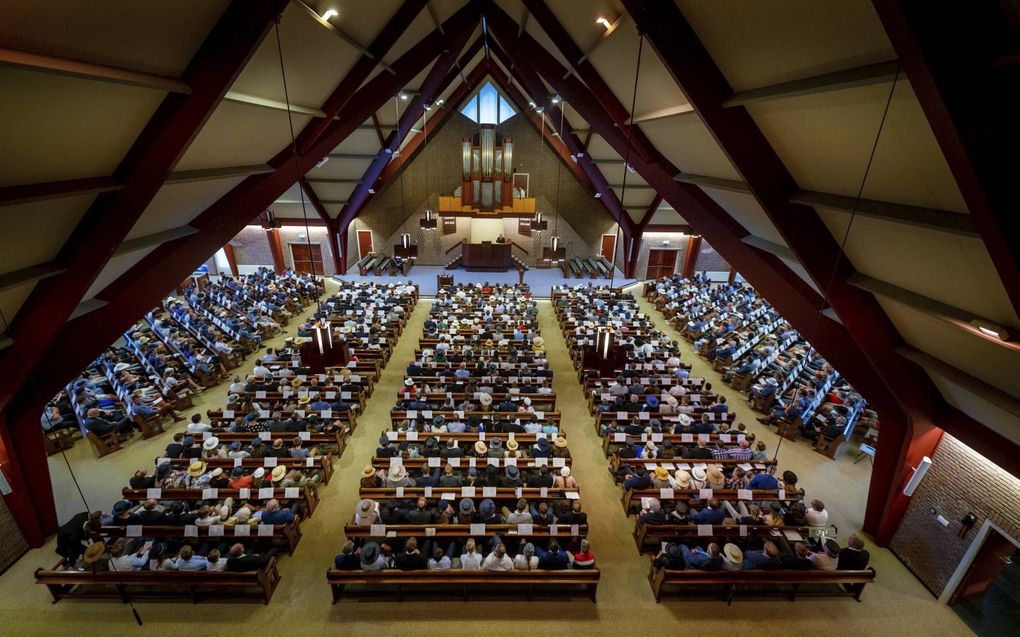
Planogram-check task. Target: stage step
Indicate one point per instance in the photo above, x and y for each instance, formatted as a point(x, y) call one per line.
point(455, 263)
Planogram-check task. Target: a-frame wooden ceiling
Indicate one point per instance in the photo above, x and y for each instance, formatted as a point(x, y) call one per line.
point(146, 136)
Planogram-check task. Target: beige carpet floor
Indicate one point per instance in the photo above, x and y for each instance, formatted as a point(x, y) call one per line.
point(897, 605)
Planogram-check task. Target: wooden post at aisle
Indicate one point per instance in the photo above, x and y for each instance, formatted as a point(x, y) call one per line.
point(228, 250)
point(276, 248)
point(691, 257)
point(733, 275)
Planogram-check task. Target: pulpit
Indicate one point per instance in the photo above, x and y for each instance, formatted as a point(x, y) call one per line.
point(486, 256)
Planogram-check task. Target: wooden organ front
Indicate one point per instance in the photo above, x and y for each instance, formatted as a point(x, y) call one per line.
point(486, 183)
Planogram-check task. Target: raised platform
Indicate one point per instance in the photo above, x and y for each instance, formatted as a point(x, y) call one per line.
point(541, 281)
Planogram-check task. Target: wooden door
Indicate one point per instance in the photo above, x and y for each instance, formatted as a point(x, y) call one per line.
point(364, 243)
point(307, 257)
point(608, 247)
point(994, 555)
point(660, 263)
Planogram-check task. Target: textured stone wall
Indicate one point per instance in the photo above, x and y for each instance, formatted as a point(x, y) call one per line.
point(709, 260)
point(12, 543)
point(398, 206)
point(251, 249)
point(960, 481)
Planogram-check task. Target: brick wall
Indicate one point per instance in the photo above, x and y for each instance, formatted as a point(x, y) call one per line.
point(385, 214)
point(960, 481)
point(12, 543)
point(251, 249)
point(709, 260)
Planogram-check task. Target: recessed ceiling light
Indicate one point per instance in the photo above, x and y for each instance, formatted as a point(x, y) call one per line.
point(993, 330)
point(330, 13)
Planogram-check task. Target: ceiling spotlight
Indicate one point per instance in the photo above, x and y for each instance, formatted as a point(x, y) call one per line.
point(403, 95)
point(555, 99)
point(993, 330)
point(601, 20)
point(428, 107)
point(330, 13)
point(531, 104)
point(598, 195)
point(322, 162)
point(540, 109)
point(371, 191)
point(440, 102)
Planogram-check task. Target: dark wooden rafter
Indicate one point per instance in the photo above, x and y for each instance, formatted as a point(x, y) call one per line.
point(793, 297)
point(948, 53)
point(907, 392)
point(527, 78)
point(378, 130)
point(430, 89)
point(582, 66)
point(359, 73)
point(652, 208)
point(143, 171)
point(136, 291)
point(327, 220)
point(521, 101)
point(436, 119)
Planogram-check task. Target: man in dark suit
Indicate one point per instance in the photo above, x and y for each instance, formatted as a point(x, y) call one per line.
point(853, 557)
point(239, 562)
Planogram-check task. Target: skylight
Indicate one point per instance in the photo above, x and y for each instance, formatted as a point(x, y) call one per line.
point(487, 106)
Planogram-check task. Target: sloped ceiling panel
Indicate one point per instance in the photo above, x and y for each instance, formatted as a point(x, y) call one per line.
point(947, 267)
point(992, 416)
point(177, 204)
point(908, 166)
point(314, 58)
point(59, 127)
point(762, 43)
point(689, 146)
point(159, 38)
point(36, 231)
point(979, 357)
point(240, 135)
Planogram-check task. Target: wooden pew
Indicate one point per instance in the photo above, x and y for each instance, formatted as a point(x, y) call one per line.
point(336, 440)
point(306, 494)
point(616, 462)
point(649, 537)
point(504, 495)
point(323, 462)
point(788, 583)
point(429, 580)
point(454, 531)
point(285, 536)
point(416, 464)
point(130, 585)
point(633, 497)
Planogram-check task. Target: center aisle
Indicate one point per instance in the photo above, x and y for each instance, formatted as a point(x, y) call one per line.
point(624, 573)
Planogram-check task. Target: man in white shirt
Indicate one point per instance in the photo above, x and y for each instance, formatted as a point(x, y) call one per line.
point(261, 371)
point(498, 560)
point(817, 515)
point(197, 426)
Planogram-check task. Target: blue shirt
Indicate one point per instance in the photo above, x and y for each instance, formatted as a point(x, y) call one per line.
point(763, 481)
point(708, 516)
point(279, 516)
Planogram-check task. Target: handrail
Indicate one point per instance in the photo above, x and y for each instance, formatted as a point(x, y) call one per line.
point(454, 246)
point(514, 244)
